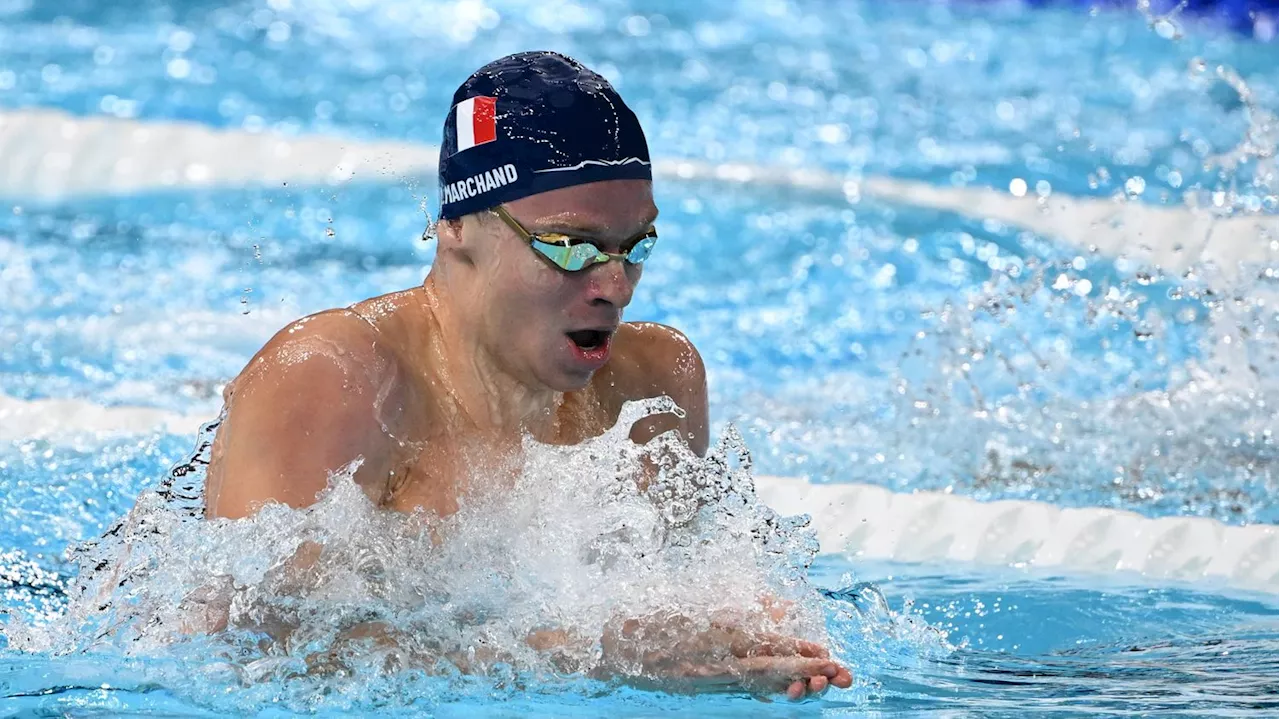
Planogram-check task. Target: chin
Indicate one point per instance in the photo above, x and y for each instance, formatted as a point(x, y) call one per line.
point(560, 378)
point(570, 382)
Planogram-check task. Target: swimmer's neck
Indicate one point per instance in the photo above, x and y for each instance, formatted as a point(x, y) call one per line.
point(469, 374)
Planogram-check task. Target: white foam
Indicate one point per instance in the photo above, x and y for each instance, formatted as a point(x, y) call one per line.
point(862, 520)
point(51, 155)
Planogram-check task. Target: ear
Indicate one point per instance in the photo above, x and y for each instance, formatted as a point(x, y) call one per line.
point(451, 241)
point(449, 232)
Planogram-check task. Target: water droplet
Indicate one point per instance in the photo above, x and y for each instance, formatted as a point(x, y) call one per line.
point(1166, 29)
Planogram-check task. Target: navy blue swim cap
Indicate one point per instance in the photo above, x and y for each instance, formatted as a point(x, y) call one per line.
point(533, 122)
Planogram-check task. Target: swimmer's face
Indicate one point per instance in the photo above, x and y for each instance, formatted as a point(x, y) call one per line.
point(550, 327)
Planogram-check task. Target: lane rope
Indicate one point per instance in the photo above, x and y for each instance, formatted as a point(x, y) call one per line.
point(50, 155)
point(862, 520)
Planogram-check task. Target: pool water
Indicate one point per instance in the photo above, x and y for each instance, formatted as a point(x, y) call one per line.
point(868, 340)
point(1020, 644)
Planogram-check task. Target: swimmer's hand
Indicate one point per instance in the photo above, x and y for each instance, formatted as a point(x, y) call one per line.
point(674, 654)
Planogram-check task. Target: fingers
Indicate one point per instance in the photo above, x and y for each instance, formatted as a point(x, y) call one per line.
point(812, 650)
point(796, 690)
point(776, 608)
point(785, 668)
point(776, 645)
point(818, 684)
point(797, 676)
point(815, 685)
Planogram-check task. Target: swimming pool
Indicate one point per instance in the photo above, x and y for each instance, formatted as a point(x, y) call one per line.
point(852, 336)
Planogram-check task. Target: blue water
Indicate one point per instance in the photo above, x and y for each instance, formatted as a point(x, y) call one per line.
point(822, 323)
point(1025, 645)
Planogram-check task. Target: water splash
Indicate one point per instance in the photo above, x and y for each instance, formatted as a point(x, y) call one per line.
point(1181, 425)
point(519, 588)
point(1073, 376)
point(1174, 396)
point(1240, 190)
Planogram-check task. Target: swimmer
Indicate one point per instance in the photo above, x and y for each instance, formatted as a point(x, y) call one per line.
point(546, 219)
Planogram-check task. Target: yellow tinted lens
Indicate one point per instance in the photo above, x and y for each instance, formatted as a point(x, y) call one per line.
point(559, 254)
point(584, 255)
point(570, 257)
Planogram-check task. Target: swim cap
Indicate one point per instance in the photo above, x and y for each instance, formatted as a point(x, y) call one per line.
point(533, 122)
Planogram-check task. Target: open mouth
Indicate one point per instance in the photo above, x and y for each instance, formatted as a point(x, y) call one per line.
point(588, 340)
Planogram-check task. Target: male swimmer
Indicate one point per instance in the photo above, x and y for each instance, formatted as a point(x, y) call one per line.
point(546, 219)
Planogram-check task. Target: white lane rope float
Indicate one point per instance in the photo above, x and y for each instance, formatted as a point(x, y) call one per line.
point(48, 155)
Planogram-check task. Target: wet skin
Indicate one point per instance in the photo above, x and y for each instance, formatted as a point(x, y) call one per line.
point(434, 387)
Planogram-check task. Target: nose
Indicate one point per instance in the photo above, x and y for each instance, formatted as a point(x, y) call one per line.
point(609, 283)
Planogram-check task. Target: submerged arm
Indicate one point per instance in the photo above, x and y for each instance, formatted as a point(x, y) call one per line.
point(733, 651)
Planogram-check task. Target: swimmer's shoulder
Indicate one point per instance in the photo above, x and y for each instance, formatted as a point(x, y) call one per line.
point(338, 334)
point(651, 359)
point(390, 313)
point(319, 394)
point(352, 338)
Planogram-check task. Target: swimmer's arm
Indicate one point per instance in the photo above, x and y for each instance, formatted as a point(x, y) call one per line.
point(668, 364)
point(674, 653)
point(304, 407)
point(671, 652)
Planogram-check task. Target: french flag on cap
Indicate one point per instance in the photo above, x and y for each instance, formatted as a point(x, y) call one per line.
point(476, 122)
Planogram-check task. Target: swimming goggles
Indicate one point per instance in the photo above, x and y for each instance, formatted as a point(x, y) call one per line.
point(572, 254)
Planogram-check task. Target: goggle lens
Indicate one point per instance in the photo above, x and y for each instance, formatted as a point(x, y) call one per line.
point(581, 255)
point(571, 254)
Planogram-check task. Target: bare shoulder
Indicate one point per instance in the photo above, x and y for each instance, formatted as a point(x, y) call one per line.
point(388, 308)
point(360, 336)
point(316, 397)
point(333, 338)
point(653, 360)
point(652, 356)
